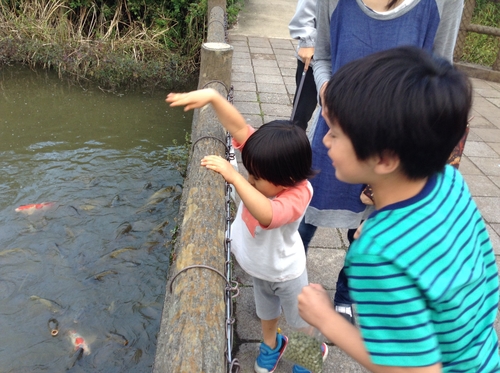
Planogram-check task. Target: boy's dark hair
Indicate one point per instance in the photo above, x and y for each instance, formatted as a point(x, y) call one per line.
point(402, 101)
point(278, 152)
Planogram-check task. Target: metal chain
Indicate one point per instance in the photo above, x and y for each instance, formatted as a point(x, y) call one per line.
point(232, 290)
point(233, 364)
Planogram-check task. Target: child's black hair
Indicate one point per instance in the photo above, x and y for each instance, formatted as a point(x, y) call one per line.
point(278, 152)
point(402, 101)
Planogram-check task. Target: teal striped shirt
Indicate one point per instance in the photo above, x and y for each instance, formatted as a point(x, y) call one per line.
point(425, 282)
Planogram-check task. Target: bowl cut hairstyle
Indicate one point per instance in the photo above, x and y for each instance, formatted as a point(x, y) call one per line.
point(278, 152)
point(401, 101)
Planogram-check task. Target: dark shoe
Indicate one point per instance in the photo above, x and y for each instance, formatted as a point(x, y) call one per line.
point(345, 310)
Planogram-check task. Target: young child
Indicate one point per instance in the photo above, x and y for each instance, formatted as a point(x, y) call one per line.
point(265, 238)
point(422, 271)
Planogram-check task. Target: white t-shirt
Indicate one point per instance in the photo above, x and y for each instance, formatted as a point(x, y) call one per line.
point(274, 253)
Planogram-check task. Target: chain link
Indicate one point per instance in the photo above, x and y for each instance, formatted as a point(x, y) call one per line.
point(233, 364)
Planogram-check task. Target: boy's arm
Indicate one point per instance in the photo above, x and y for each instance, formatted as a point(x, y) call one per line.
point(315, 307)
point(229, 117)
point(257, 204)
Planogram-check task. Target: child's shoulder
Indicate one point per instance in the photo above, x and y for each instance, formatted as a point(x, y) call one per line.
point(450, 180)
point(303, 187)
point(298, 196)
point(441, 208)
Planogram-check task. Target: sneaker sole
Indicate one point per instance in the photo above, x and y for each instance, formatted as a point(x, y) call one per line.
point(326, 352)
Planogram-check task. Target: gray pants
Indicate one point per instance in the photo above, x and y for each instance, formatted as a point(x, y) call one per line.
point(271, 297)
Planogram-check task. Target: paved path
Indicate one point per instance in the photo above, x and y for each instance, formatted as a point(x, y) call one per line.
point(264, 83)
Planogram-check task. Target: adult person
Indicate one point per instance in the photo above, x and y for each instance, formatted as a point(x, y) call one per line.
point(348, 30)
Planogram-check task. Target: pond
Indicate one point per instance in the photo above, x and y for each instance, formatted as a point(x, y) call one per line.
point(90, 185)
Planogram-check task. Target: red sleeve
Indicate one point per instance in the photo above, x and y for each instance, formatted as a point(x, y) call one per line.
point(239, 146)
point(290, 205)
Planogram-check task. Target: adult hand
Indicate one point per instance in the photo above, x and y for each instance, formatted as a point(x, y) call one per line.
point(306, 55)
point(221, 166)
point(192, 100)
point(314, 304)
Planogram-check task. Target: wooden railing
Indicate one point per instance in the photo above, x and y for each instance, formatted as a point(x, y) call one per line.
point(192, 336)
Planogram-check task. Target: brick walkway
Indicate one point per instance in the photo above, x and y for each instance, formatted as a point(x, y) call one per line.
point(264, 83)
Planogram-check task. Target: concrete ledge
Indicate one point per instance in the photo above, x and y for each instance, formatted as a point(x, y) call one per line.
point(479, 72)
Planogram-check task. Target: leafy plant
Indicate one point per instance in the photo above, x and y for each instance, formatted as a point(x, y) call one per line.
point(233, 8)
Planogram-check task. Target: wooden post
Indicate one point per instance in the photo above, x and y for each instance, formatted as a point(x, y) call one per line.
point(496, 64)
point(215, 3)
point(216, 63)
point(192, 331)
point(216, 25)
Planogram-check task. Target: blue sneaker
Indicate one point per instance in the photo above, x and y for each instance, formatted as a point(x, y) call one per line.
point(299, 369)
point(268, 359)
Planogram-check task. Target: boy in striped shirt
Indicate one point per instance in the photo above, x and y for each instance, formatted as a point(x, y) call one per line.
point(422, 271)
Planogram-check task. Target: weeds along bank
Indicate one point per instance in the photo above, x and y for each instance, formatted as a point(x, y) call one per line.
point(147, 43)
point(479, 48)
point(116, 44)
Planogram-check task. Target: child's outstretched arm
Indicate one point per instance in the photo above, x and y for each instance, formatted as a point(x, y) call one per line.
point(230, 118)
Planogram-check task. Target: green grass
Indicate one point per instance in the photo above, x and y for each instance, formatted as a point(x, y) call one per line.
point(479, 48)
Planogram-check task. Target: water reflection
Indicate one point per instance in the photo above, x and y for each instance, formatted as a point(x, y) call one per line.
point(95, 258)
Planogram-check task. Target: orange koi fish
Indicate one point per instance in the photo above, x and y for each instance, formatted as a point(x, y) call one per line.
point(79, 342)
point(30, 209)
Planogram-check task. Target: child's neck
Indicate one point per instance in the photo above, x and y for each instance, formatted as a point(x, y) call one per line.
point(395, 189)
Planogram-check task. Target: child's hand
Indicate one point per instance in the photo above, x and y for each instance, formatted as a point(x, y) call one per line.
point(219, 165)
point(314, 304)
point(191, 100)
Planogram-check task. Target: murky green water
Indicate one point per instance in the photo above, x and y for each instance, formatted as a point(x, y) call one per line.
point(96, 258)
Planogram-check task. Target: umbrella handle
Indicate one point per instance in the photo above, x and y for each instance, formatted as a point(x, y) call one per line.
point(299, 91)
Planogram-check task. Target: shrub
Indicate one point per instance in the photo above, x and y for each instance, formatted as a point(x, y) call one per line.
point(116, 43)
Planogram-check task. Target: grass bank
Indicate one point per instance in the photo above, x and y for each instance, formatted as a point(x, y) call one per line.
point(483, 49)
point(116, 44)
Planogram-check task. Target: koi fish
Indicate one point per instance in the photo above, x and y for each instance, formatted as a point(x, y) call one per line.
point(79, 342)
point(30, 209)
point(52, 305)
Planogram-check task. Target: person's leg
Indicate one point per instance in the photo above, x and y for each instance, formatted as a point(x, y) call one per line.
point(269, 328)
point(288, 292)
point(307, 96)
point(268, 309)
point(342, 291)
point(342, 300)
point(306, 232)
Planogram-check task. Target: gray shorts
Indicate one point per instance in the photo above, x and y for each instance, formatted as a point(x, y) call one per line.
point(271, 297)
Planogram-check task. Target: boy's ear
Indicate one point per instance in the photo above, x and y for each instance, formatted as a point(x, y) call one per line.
point(387, 163)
